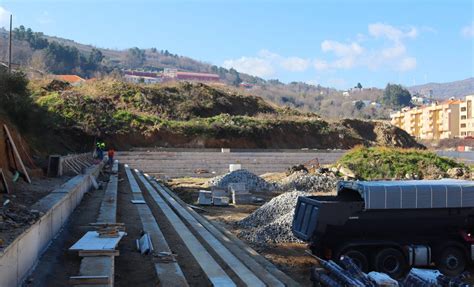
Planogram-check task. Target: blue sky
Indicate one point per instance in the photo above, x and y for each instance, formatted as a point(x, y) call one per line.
point(332, 43)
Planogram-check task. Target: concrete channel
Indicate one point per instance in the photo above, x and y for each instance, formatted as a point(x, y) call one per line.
point(20, 257)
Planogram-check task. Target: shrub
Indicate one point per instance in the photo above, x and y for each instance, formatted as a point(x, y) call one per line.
point(388, 163)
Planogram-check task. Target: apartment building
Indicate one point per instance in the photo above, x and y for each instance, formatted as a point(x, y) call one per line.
point(466, 120)
point(436, 121)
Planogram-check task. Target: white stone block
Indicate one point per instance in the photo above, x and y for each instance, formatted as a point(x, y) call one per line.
point(220, 200)
point(205, 197)
point(241, 198)
point(234, 167)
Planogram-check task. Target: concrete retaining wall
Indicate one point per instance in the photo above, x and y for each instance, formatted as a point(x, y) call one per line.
point(18, 259)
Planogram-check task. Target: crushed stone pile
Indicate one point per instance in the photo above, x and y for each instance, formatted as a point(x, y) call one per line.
point(271, 223)
point(308, 182)
point(252, 182)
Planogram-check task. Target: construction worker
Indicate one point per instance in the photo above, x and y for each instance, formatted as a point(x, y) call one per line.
point(111, 154)
point(100, 146)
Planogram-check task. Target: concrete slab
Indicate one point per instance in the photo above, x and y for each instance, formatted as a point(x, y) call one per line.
point(245, 274)
point(92, 241)
point(213, 270)
point(169, 273)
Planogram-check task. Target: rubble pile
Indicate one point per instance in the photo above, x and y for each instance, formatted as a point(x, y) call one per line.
point(308, 182)
point(252, 182)
point(13, 215)
point(271, 223)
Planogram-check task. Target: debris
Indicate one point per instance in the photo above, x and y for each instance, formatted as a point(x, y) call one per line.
point(271, 223)
point(4, 182)
point(200, 171)
point(382, 279)
point(251, 181)
point(308, 182)
point(6, 202)
point(144, 244)
point(421, 277)
point(17, 155)
point(296, 168)
point(137, 201)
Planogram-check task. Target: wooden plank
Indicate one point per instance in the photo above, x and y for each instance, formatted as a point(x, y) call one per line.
point(17, 155)
point(100, 252)
point(92, 241)
point(4, 181)
point(89, 280)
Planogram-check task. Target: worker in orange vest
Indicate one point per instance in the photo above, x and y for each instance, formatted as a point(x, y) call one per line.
point(111, 154)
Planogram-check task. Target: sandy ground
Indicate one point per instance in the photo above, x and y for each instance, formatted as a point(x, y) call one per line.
point(291, 258)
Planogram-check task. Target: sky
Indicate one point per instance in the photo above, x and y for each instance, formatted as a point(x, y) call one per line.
point(331, 43)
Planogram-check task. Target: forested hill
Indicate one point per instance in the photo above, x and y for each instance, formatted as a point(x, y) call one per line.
point(62, 56)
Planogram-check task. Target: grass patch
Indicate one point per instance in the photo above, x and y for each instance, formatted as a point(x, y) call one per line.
point(394, 163)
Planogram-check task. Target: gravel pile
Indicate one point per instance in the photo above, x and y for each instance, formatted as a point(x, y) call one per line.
point(271, 223)
point(252, 181)
point(304, 181)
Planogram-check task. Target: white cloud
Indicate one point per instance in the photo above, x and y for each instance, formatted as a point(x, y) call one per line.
point(295, 64)
point(406, 64)
point(4, 17)
point(390, 32)
point(251, 65)
point(391, 54)
point(468, 31)
point(44, 18)
point(267, 63)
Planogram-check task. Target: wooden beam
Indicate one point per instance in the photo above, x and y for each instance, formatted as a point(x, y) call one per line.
point(4, 181)
point(99, 252)
point(17, 155)
point(89, 280)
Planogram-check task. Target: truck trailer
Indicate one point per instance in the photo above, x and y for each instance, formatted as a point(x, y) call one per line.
point(390, 226)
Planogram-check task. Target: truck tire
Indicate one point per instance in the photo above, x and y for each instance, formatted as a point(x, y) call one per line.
point(451, 261)
point(358, 258)
point(392, 262)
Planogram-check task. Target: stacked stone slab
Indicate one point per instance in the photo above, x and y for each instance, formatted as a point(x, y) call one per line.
point(205, 197)
point(239, 193)
point(220, 196)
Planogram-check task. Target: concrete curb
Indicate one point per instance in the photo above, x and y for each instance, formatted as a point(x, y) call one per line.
point(20, 257)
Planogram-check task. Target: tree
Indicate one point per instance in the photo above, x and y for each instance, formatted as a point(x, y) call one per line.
point(359, 86)
point(359, 105)
point(396, 96)
point(135, 58)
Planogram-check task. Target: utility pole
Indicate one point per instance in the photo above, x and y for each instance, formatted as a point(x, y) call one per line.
point(10, 47)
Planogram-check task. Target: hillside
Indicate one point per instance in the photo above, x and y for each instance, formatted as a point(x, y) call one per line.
point(35, 51)
point(457, 89)
point(198, 115)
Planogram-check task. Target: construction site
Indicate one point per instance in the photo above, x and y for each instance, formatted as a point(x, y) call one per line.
point(179, 217)
point(141, 167)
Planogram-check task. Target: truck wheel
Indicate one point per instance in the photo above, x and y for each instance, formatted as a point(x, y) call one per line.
point(358, 258)
point(451, 261)
point(392, 262)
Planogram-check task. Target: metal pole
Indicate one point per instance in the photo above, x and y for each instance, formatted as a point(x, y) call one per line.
point(10, 47)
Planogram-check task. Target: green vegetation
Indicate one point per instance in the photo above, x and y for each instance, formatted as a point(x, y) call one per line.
point(396, 96)
point(15, 101)
point(389, 163)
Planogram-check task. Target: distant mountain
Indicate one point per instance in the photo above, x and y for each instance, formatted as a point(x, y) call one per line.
point(457, 89)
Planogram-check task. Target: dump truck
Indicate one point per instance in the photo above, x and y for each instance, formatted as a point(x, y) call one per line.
point(390, 226)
